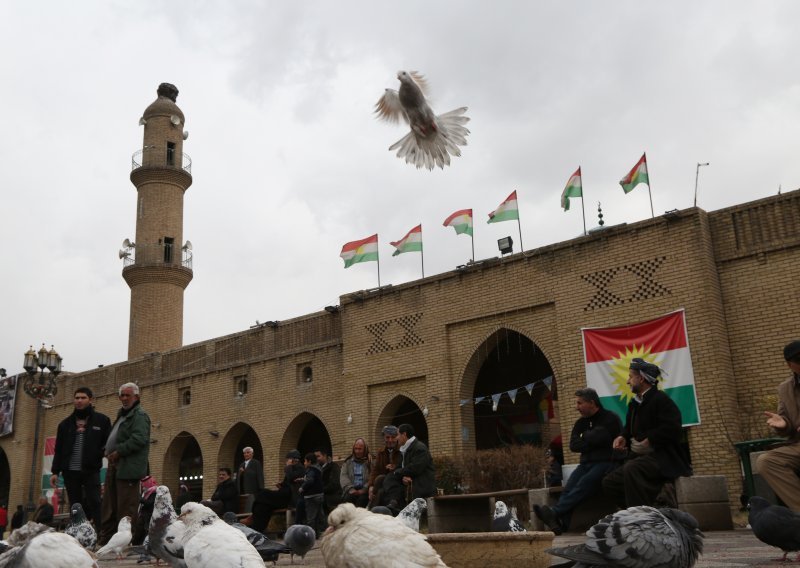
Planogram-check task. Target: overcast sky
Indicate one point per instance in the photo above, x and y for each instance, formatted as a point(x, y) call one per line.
point(289, 162)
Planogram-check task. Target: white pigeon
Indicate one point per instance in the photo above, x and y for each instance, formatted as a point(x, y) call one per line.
point(119, 541)
point(433, 139)
point(505, 519)
point(209, 542)
point(358, 538)
point(35, 545)
point(412, 512)
point(166, 532)
point(80, 528)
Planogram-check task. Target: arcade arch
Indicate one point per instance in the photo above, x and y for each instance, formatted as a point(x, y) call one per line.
point(305, 433)
point(183, 463)
point(402, 410)
point(239, 436)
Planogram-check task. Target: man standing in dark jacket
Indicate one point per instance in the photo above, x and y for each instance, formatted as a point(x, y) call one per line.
point(416, 470)
point(592, 436)
point(651, 436)
point(80, 441)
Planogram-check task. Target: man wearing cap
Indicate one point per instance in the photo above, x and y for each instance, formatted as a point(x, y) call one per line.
point(386, 462)
point(592, 436)
point(286, 494)
point(779, 466)
point(651, 438)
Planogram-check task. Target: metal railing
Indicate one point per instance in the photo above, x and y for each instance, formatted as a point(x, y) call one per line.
point(157, 254)
point(158, 157)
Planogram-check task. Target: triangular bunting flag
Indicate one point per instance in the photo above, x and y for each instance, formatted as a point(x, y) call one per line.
point(496, 401)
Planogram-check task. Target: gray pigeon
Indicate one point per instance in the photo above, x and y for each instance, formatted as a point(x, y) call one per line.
point(165, 533)
point(267, 549)
point(381, 510)
point(505, 520)
point(638, 537)
point(411, 514)
point(300, 539)
point(80, 528)
point(775, 525)
point(433, 139)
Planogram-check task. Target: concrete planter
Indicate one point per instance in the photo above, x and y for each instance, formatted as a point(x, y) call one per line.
point(480, 550)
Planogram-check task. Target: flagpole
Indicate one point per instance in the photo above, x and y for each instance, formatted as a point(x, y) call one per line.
point(472, 236)
point(379, 269)
point(583, 211)
point(519, 225)
point(649, 188)
point(422, 260)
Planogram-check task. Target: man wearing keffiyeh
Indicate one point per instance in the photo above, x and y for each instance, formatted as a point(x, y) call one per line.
point(651, 438)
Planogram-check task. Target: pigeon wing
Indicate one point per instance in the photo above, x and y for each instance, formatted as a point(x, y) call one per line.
point(388, 107)
point(56, 550)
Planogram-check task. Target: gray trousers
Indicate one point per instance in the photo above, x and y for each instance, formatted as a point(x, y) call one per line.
point(315, 512)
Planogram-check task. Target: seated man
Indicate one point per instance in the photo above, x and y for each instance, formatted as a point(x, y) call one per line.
point(592, 436)
point(387, 460)
point(651, 437)
point(415, 474)
point(44, 511)
point(226, 495)
point(286, 493)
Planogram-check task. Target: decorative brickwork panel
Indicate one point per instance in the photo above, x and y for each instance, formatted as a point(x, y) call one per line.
point(396, 333)
point(644, 280)
point(187, 360)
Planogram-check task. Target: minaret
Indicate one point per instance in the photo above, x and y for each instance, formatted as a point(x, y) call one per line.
point(158, 265)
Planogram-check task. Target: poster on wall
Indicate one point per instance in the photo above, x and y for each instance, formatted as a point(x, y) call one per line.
point(8, 396)
point(662, 341)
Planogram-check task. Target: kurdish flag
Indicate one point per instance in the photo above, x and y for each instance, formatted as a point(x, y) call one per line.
point(662, 341)
point(574, 188)
point(636, 176)
point(412, 242)
point(360, 251)
point(507, 211)
point(461, 221)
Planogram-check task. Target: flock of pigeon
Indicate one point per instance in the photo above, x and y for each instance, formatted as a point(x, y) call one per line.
point(637, 537)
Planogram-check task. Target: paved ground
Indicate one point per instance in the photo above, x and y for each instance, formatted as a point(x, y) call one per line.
point(725, 549)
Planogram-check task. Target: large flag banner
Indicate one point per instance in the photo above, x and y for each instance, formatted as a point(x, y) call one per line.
point(8, 399)
point(574, 188)
point(662, 341)
point(461, 221)
point(412, 242)
point(360, 251)
point(636, 176)
point(506, 211)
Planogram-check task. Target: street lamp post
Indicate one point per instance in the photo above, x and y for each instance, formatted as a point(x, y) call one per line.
point(39, 386)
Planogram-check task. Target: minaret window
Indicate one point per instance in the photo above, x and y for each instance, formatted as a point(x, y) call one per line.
point(168, 244)
point(170, 153)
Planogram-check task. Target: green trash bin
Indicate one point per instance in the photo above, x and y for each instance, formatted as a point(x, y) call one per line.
point(744, 449)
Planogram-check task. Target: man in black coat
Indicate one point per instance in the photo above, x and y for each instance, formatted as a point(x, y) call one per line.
point(251, 474)
point(80, 441)
point(226, 497)
point(651, 437)
point(415, 471)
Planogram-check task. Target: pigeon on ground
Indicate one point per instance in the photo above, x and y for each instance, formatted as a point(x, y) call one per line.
point(775, 525)
point(433, 139)
point(381, 510)
point(505, 520)
point(267, 548)
point(35, 545)
point(358, 538)
point(210, 542)
point(638, 537)
point(411, 514)
point(119, 541)
point(300, 539)
point(80, 528)
point(165, 533)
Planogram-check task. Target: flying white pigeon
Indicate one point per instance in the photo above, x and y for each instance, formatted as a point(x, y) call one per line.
point(412, 512)
point(505, 520)
point(638, 537)
point(433, 139)
point(35, 545)
point(119, 541)
point(775, 525)
point(357, 538)
point(300, 539)
point(165, 533)
point(80, 528)
point(210, 542)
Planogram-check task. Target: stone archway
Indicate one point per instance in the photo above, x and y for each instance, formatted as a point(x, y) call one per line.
point(240, 436)
point(183, 463)
point(509, 361)
point(402, 410)
point(305, 433)
point(5, 479)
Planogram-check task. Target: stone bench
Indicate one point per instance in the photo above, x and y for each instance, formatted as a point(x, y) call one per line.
point(467, 513)
point(482, 550)
point(703, 496)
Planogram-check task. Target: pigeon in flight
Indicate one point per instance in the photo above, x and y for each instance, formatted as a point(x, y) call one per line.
point(300, 539)
point(35, 544)
point(80, 528)
point(433, 139)
point(775, 525)
point(165, 533)
point(358, 538)
point(209, 541)
point(638, 537)
point(119, 541)
point(411, 514)
point(505, 520)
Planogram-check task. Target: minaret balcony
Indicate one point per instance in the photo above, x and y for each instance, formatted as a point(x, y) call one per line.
point(156, 255)
point(155, 157)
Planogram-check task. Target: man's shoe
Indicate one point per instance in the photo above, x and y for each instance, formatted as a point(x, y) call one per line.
point(549, 518)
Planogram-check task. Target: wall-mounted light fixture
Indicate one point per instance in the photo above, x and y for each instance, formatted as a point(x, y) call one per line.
point(350, 418)
point(214, 433)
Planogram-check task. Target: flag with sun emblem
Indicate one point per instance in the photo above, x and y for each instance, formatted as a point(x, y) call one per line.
point(663, 341)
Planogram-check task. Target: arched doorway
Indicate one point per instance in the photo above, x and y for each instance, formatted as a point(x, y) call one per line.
point(5, 478)
point(305, 433)
point(508, 364)
point(240, 436)
point(402, 410)
point(183, 463)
